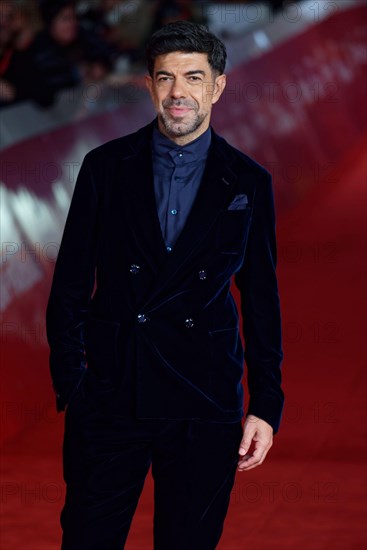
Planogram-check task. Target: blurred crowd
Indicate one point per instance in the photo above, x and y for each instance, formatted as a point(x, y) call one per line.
point(50, 45)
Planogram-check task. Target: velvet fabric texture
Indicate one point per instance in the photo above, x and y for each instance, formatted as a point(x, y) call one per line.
point(107, 458)
point(119, 301)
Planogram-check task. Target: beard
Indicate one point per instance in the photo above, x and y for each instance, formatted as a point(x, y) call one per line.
point(176, 126)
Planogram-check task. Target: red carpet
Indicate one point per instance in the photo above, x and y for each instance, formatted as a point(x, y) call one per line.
point(310, 493)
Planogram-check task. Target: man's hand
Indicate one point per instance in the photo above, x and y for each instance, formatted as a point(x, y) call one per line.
point(260, 433)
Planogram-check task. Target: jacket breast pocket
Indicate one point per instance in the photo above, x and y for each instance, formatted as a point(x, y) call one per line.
point(232, 230)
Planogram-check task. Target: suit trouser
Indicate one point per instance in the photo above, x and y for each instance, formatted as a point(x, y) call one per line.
point(106, 460)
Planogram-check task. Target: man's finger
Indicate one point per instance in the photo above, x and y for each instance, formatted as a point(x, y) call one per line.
point(257, 458)
point(245, 444)
point(249, 431)
point(250, 462)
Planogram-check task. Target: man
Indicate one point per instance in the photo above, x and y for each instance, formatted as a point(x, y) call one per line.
point(162, 219)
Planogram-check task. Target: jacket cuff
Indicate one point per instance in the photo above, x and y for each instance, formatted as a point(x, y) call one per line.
point(64, 395)
point(268, 408)
point(60, 403)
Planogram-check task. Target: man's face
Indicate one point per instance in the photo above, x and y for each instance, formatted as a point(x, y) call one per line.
point(183, 89)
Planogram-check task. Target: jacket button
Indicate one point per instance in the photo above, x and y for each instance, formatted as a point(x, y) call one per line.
point(134, 269)
point(189, 323)
point(142, 318)
point(202, 274)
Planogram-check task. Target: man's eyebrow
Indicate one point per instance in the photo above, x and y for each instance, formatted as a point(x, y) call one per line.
point(198, 71)
point(188, 73)
point(167, 73)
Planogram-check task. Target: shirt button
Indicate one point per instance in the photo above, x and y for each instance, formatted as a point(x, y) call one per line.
point(189, 323)
point(134, 269)
point(180, 154)
point(174, 211)
point(142, 318)
point(169, 248)
point(202, 274)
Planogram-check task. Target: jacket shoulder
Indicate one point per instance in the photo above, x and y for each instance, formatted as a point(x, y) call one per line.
point(121, 147)
point(241, 160)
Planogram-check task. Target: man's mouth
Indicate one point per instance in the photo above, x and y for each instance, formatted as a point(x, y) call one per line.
point(178, 111)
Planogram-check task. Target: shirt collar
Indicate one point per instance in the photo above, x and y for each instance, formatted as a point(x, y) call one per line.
point(181, 154)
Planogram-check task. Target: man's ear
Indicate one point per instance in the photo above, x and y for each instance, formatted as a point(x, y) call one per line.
point(219, 85)
point(149, 83)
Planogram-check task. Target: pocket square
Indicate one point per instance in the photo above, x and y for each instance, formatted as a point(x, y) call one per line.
point(239, 203)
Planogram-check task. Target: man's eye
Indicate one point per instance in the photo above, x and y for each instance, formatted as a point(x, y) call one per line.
point(194, 78)
point(163, 78)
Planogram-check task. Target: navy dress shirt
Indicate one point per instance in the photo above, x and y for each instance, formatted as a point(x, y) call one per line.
point(178, 170)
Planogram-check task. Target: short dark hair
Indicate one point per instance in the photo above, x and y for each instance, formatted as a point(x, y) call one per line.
point(185, 36)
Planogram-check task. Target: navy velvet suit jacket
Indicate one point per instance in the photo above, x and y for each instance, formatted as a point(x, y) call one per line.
point(120, 301)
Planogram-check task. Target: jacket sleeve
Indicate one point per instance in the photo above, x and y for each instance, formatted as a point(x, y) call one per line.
point(260, 307)
point(71, 289)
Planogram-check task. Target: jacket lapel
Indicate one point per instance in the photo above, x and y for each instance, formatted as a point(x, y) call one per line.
point(214, 195)
point(215, 192)
point(141, 209)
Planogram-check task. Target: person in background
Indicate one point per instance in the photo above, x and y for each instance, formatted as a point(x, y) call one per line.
point(129, 24)
point(183, 10)
point(92, 17)
point(67, 54)
point(20, 79)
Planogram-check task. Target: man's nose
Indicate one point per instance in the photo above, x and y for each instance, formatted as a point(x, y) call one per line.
point(178, 89)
